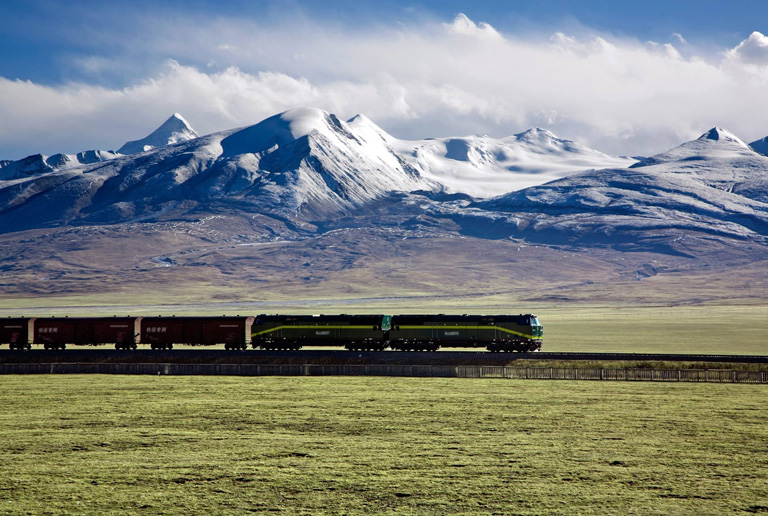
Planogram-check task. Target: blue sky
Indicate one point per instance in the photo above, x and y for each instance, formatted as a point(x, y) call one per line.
point(77, 75)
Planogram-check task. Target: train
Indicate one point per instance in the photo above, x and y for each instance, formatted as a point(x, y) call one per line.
point(372, 332)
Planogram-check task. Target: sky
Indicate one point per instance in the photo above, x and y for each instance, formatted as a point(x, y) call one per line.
point(625, 78)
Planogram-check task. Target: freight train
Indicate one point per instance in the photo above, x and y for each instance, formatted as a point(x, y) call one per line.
point(496, 333)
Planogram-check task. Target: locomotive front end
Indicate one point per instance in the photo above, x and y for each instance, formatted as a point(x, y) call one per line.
point(537, 333)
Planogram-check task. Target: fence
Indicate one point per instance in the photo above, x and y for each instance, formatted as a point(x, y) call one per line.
point(530, 373)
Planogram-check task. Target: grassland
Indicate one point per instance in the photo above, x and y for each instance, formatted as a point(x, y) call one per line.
point(175, 445)
point(732, 330)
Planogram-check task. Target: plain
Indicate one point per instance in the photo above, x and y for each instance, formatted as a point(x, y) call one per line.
point(223, 445)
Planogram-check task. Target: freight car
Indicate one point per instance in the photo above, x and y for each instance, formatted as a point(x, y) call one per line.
point(16, 332)
point(494, 332)
point(354, 332)
point(57, 332)
point(164, 332)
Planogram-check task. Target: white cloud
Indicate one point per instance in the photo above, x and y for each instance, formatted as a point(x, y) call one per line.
point(753, 50)
point(464, 26)
point(433, 79)
point(679, 37)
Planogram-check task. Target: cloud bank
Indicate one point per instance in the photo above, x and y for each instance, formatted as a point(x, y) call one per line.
point(433, 79)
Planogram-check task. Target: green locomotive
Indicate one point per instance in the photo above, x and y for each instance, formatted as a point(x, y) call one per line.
point(354, 332)
point(494, 332)
point(521, 333)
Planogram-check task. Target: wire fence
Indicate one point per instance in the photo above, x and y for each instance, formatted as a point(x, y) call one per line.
point(422, 371)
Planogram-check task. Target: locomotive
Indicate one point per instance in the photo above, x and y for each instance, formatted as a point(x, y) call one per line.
point(522, 333)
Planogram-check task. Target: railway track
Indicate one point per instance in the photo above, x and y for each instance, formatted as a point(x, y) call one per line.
point(215, 356)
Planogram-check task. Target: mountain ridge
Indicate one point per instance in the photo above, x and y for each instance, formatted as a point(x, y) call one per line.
point(714, 186)
point(303, 164)
point(306, 168)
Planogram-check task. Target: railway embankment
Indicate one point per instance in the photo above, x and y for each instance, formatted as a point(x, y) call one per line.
point(422, 371)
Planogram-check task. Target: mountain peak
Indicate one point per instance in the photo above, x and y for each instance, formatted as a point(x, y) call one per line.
point(302, 121)
point(719, 134)
point(174, 130)
point(715, 144)
point(282, 129)
point(536, 134)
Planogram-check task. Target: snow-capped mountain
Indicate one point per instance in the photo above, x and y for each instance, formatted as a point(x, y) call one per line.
point(38, 164)
point(303, 164)
point(174, 130)
point(715, 185)
point(760, 146)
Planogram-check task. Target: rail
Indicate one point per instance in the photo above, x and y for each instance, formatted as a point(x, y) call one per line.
point(434, 371)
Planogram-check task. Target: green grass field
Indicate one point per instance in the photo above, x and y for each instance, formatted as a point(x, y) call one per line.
point(732, 330)
point(225, 445)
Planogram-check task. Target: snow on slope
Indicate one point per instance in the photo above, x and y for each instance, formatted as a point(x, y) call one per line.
point(713, 185)
point(173, 130)
point(38, 164)
point(482, 166)
point(486, 167)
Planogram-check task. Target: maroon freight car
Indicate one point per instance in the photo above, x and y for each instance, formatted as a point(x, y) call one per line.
point(163, 332)
point(16, 332)
point(57, 332)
